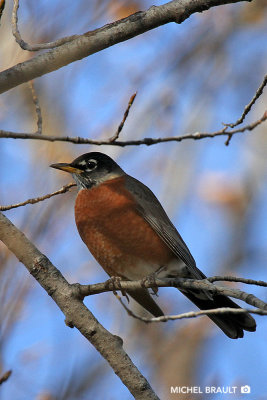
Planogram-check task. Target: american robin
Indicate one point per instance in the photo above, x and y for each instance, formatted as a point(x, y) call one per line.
point(128, 232)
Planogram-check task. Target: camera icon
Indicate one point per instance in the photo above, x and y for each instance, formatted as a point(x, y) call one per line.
point(245, 389)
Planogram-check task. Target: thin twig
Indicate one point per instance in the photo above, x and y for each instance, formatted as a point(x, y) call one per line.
point(145, 141)
point(235, 279)
point(250, 104)
point(246, 110)
point(116, 135)
point(37, 108)
point(192, 314)
point(205, 284)
point(179, 283)
point(35, 47)
point(5, 377)
point(245, 128)
point(64, 189)
point(227, 142)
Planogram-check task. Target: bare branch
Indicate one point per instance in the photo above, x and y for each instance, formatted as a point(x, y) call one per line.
point(115, 137)
point(93, 41)
point(192, 314)
point(146, 141)
point(26, 46)
point(37, 108)
point(245, 128)
point(77, 314)
point(249, 106)
point(235, 279)
point(227, 142)
point(180, 283)
point(5, 377)
point(64, 189)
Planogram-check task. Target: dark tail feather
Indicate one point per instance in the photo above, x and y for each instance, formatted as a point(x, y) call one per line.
point(231, 324)
point(142, 297)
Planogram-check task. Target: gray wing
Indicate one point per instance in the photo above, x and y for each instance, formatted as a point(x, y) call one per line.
point(152, 211)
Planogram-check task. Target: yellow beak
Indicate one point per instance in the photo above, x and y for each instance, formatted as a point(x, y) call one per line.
point(67, 168)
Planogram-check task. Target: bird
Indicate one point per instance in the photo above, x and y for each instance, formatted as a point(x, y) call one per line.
point(128, 232)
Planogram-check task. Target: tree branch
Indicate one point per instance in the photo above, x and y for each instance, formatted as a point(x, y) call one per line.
point(250, 104)
point(180, 283)
point(94, 41)
point(235, 279)
point(5, 377)
point(77, 314)
point(37, 108)
point(126, 113)
point(35, 47)
point(64, 189)
point(146, 141)
point(192, 314)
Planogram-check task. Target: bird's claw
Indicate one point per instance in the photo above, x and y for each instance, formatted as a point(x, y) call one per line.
point(150, 280)
point(116, 282)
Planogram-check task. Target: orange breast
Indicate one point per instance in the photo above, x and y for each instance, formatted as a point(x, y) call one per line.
point(114, 232)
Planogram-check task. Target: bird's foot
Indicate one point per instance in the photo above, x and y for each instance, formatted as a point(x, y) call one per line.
point(116, 282)
point(150, 280)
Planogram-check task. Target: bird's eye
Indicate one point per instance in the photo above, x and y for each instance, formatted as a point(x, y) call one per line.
point(91, 164)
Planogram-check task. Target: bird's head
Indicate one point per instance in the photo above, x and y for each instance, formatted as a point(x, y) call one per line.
point(91, 169)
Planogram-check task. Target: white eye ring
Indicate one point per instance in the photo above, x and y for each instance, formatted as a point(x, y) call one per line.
point(91, 164)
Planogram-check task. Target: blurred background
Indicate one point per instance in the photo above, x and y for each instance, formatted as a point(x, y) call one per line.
point(189, 77)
